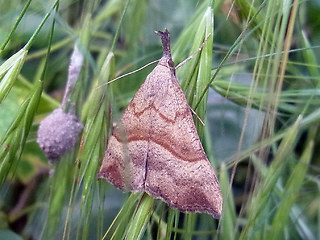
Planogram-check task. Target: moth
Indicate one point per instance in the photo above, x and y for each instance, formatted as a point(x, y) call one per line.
point(155, 147)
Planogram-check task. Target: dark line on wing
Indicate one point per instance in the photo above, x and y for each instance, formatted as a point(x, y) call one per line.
point(163, 144)
point(151, 106)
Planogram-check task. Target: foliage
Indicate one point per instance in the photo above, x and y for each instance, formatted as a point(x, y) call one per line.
point(255, 82)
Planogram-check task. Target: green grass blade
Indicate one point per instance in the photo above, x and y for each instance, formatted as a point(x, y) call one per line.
point(9, 71)
point(246, 12)
point(171, 221)
point(96, 115)
point(141, 218)
point(60, 185)
point(26, 6)
point(310, 58)
point(122, 222)
point(94, 142)
point(189, 226)
point(259, 204)
point(198, 70)
point(228, 219)
point(290, 193)
point(15, 138)
point(34, 35)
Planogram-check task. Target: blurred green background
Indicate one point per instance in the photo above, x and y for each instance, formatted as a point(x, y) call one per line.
point(255, 84)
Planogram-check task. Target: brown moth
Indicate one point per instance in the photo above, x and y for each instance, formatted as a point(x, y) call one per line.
point(156, 148)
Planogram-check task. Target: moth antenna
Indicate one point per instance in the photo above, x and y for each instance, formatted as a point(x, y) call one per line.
point(197, 116)
point(165, 38)
point(127, 74)
point(195, 53)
